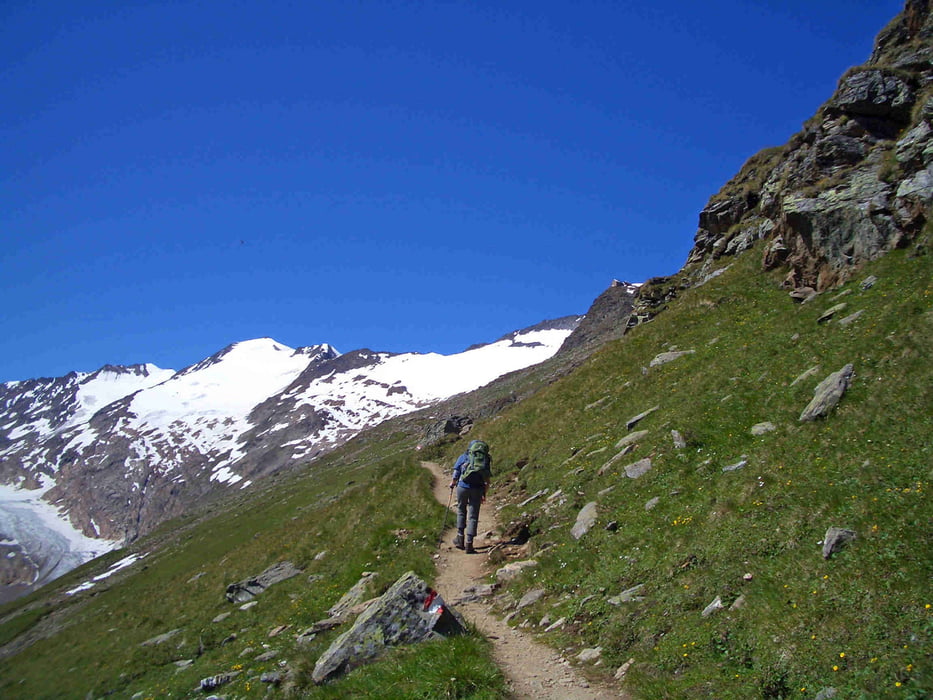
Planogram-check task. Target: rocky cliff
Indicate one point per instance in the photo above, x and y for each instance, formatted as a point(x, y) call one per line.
point(856, 182)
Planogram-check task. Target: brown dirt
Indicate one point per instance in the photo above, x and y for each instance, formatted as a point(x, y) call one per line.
point(533, 670)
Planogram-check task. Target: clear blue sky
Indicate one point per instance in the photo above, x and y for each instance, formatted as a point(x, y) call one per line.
point(403, 176)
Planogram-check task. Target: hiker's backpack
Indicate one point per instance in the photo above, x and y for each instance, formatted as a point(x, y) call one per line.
point(478, 468)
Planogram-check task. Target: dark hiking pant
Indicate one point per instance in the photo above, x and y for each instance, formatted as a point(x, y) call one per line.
point(468, 503)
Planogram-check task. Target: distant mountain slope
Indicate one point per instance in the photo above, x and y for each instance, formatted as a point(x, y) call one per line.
point(120, 450)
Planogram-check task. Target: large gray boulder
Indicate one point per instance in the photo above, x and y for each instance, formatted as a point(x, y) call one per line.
point(828, 394)
point(586, 518)
point(409, 612)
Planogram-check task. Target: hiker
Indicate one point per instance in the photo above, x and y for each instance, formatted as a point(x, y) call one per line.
point(472, 473)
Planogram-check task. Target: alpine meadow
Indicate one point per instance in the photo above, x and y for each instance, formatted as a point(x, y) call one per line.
point(718, 486)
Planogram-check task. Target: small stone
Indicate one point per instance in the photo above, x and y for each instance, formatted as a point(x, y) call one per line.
point(222, 617)
point(589, 655)
point(633, 421)
point(629, 595)
point(851, 318)
point(306, 637)
point(665, 357)
point(713, 607)
point(214, 682)
point(868, 283)
point(631, 439)
point(652, 503)
point(743, 462)
point(830, 312)
point(747, 577)
point(760, 429)
point(276, 631)
point(679, 442)
point(612, 526)
point(514, 569)
point(531, 597)
point(271, 677)
point(738, 603)
point(638, 469)
point(160, 639)
point(836, 538)
point(623, 669)
point(250, 604)
point(556, 625)
point(266, 656)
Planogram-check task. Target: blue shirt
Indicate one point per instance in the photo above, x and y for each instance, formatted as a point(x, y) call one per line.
point(458, 469)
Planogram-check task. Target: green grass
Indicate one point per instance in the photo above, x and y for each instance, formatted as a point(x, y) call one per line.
point(859, 622)
point(378, 516)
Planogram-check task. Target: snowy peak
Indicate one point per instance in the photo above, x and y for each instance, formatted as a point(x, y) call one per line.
point(121, 449)
point(44, 407)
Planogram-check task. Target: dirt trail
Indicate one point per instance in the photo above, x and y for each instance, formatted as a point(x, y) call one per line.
point(533, 670)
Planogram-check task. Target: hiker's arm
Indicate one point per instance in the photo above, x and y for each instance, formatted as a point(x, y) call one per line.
point(458, 467)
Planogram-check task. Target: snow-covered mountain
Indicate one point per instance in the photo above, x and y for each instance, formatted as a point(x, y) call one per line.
point(89, 461)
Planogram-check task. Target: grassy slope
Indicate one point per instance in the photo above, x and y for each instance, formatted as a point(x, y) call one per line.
point(861, 621)
point(374, 514)
point(858, 622)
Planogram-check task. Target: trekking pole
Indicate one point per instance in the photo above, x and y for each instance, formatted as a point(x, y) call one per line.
point(450, 498)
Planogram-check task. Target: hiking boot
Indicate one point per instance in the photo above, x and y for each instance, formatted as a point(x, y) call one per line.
point(458, 541)
point(469, 547)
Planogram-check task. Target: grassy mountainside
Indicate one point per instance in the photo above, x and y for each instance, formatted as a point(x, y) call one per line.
point(365, 514)
point(716, 537)
point(860, 621)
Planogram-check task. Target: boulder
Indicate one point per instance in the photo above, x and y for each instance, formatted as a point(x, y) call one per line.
point(245, 591)
point(836, 538)
point(409, 612)
point(828, 394)
point(585, 520)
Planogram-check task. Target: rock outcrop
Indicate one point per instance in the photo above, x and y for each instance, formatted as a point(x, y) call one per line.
point(407, 613)
point(856, 182)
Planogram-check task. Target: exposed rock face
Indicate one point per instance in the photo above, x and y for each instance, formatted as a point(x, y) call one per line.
point(854, 184)
point(407, 613)
point(607, 318)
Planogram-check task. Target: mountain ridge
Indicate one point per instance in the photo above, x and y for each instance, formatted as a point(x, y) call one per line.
point(121, 449)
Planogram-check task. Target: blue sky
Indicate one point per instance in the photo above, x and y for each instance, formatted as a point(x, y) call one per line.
point(403, 176)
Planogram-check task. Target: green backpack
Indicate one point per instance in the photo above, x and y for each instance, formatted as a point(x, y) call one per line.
point(478, 468)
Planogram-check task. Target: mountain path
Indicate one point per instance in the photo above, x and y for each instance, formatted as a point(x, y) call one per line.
point(532, 669)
